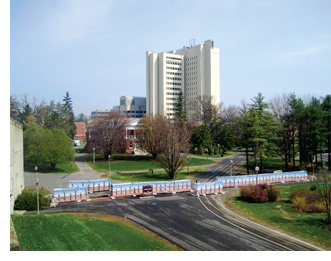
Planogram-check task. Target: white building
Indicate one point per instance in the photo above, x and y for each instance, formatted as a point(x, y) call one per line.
point(132, 106)
point(193, 70)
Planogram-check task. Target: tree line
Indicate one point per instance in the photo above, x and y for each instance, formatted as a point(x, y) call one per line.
point(294, 129)
point(48, 129)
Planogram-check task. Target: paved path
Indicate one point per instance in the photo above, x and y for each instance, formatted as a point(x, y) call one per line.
point(51, 181)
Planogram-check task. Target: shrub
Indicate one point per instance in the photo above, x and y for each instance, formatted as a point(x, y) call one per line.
point(27, 200)
point(263, 194)
point(273, 193)
point(307, 202)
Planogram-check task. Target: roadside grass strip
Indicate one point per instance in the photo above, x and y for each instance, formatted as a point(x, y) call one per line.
point(282, 216)
point(84, 232)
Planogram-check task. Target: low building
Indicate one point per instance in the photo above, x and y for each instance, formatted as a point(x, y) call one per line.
point(16, 161)
point(80, 131)
point(132, 106)
point(128, 143)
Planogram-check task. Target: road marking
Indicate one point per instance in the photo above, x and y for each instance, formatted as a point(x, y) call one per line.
point(256, 228)
point(243, 228)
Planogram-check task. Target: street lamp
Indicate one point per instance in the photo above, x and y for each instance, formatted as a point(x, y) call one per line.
point(37, 181)
point(93, 155)
point(256, 172)
point(313, 167)
point(231, 161)
point(196, 150)
point(218, 149)
point(207, 153)
point(109, 162)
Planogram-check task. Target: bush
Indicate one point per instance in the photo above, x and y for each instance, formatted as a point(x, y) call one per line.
point(263, 194)
point(307, 202)
point(27, 200)
point(273, 193)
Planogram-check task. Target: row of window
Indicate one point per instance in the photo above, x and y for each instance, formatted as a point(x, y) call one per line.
point(175, 63)
point(174, 68)
point(170, 109)
point(171, 99)
point(173, 83)
point(173, 89)
point(173, 73)
point(172, 93)
point(192, 58)
point(174, 58)
point(192, 63)
point(176, 79)
point(171, 114)
point(134, 111)
point(170, 104)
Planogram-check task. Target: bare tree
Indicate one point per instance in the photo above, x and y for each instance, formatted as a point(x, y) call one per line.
point(206, 111)
point(174, 146)
point(149, 133)
point(324, 193)
point(107, 132)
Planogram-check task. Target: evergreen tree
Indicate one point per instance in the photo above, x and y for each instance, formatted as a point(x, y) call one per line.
point(180, 107)
point(68, 115)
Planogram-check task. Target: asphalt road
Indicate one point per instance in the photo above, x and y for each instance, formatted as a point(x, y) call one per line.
point(193, 223)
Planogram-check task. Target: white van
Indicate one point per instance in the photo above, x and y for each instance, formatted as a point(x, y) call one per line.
point(76, 143)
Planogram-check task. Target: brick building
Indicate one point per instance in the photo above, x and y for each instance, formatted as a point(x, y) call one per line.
point(80, 131)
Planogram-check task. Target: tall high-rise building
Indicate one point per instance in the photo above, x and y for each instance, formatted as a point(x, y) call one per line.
point(193, 70)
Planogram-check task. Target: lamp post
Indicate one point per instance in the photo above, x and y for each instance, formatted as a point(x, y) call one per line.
point(207, 153)
point(196, 150)
point(93, 155)
point(313, 167)
point(109, 163)
point(37, 182)
point(256, 172)
point(231, 161)
point(218, 149)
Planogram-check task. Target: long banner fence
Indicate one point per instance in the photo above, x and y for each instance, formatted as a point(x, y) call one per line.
point(262, 178)
point(208, 188)
point(128, 189)
point(91, 185)
point(70, 194)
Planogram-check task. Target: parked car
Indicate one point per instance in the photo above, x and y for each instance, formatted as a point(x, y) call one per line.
point(76, 143)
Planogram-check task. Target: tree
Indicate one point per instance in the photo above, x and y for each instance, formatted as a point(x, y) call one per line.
point(81, 118)
point(174, 146)
point(324, 192)
point(201, 137)
point(223, 137)
point(68, 115)
point(180, 107)
point(206, 111)
point(149, 133)
point(108, 132)
point(326, 106)
point(244, 123)
point(281, 110)
point(44, 146)
point(262, 128)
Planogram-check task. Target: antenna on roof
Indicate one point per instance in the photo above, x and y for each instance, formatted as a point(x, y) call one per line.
point(192, 42)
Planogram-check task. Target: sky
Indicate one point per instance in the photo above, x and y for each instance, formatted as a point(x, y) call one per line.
point(96, 50)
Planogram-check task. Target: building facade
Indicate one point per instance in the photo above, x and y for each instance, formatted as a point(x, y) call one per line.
point(193, 70)
point(16, 161)
point(132, 106)
point(80, 131)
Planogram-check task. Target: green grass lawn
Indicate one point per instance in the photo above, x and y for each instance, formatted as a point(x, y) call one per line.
point(84, 232)
point(282, 216)
point(142, 164)
point(66, 167)
point(156, 176)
